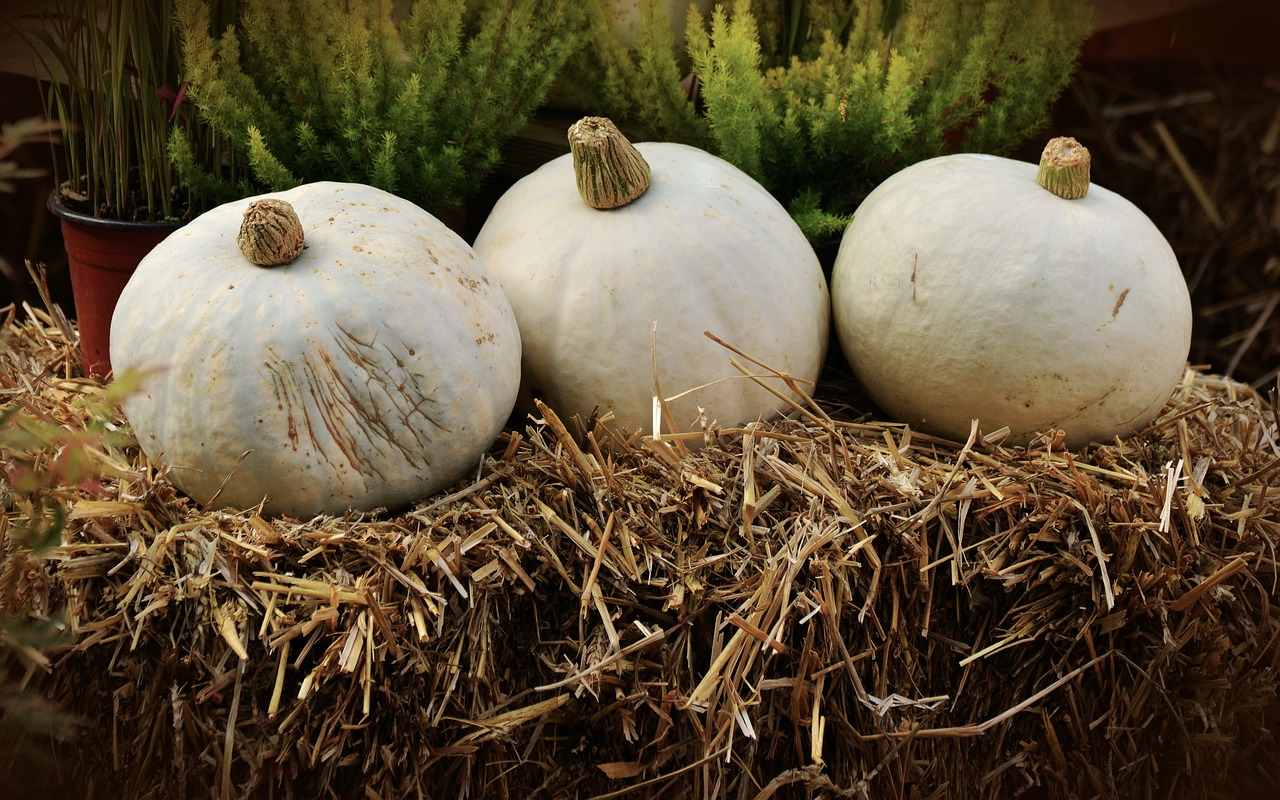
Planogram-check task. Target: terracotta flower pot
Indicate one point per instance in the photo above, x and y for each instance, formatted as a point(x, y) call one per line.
point(101, 255)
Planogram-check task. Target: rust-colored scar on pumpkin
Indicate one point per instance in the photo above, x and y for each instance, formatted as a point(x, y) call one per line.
point(328, 400)
point(1119, 302)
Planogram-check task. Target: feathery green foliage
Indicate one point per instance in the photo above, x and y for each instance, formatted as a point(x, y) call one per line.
point(417, 104)
point(733, 88)
point(632, 80)
point(827, 98)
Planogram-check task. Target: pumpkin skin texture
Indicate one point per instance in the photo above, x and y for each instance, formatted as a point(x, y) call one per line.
point(704, 248)
point(373, 371)
point(963, 290)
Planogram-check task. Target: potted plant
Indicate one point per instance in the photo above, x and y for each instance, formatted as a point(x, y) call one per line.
point(114, 87)
point(413, 98)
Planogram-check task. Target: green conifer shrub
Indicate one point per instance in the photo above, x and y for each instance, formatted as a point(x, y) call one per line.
point(416, 103)
point(821, 100)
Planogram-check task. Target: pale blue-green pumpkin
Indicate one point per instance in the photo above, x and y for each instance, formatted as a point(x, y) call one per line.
point(965, 289)
point(371, 372)
point(614, 295)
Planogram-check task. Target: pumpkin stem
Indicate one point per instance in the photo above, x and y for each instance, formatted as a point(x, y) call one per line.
point(1064, 168)
point(271, 233)
point(609, 170)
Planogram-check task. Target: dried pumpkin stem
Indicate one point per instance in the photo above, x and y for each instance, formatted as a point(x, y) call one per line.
point(609, 170)
point(271, 233)
point(1064, 168)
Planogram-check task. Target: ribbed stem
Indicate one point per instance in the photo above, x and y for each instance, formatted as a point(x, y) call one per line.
point(271, 233)
point(1064, 168)
point(610, 171)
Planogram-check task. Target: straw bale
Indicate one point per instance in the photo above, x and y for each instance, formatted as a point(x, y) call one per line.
point(826, 605)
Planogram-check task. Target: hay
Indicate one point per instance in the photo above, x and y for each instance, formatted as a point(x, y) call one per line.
point(821, 606)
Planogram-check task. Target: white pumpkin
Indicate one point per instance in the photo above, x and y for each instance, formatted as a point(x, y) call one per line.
point(372, 371)
point(964, 289)
point(693, 245)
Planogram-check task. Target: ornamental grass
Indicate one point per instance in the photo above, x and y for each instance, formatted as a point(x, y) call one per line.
point(825, 605)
